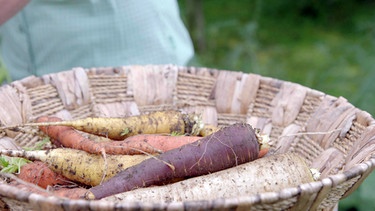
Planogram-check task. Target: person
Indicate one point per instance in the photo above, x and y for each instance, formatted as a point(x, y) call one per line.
point(40, 37)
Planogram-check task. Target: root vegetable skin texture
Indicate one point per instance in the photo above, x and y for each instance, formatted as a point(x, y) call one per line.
point(263, 152)
point(69, 193)
point(208, 130)
point(228, 147)
point(138, 144)
point(151, 143)
point(39, 174)
point(155, 142)
point(268, 174)
point(80, 166)
point(120, 128)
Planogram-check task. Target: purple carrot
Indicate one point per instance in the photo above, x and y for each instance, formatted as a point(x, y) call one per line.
point(228, 147)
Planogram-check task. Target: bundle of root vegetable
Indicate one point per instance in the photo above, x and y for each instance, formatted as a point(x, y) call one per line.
point(161, 156)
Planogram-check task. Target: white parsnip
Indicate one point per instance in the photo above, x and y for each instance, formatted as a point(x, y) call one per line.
point(80, 166)
point(117, 128)
point(271, 173)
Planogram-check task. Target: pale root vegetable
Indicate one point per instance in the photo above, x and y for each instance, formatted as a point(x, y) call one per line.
point(268, 174)
point(119, 128)
point(137, 144)
point(208, 130)
point(38, 173)
point(228, 147)
point(80, 166)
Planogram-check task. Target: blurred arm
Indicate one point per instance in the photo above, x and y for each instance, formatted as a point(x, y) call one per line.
point(9, 8)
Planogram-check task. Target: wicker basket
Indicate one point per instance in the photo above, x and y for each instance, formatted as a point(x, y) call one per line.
point(330, 133)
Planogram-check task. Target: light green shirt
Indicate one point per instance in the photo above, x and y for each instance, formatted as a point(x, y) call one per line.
point(55, 35)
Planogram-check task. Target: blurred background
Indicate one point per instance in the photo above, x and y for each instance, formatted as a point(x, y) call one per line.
point(327, 45)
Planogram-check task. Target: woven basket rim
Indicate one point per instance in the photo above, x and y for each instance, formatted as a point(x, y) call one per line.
point(268, 197)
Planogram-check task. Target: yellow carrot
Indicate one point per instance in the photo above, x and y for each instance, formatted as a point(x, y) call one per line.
point(80, 166)
point(120, 128)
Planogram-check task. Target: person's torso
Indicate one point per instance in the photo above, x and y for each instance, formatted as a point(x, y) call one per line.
point(55, 35)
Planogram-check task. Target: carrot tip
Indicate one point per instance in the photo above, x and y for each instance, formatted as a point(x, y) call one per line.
point(263, 140)
point(89, 195)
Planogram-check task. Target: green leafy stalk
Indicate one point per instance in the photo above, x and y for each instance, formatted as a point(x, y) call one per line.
point(12, 165)
point(39, 145)
point(125, 132)
point(176, 133)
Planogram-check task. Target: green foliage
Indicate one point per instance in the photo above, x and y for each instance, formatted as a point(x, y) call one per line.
point(40, 145)
point(325, 45)
point(362, 199)
point(176, 133)
point(125, 132)
point(12, 165)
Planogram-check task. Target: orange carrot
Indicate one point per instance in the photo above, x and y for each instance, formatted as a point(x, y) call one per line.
point(138, 144)
point(68, 137)
point(158, 142)
point(62, 191)
point(39, 174)
point(71, 193)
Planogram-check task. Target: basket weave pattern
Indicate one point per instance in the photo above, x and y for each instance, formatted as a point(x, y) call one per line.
point(328, 132)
